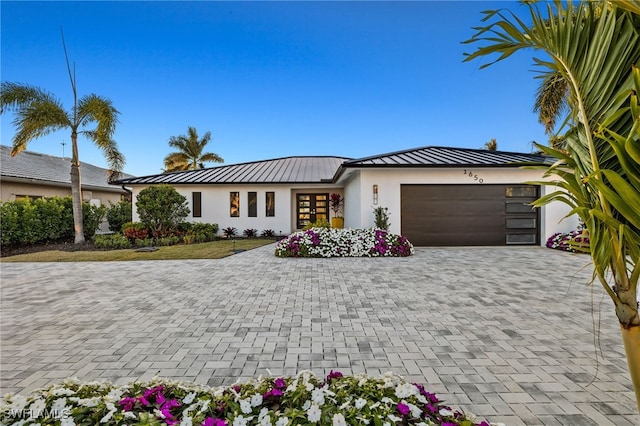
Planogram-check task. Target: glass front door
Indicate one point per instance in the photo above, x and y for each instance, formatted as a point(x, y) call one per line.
point(311, 208)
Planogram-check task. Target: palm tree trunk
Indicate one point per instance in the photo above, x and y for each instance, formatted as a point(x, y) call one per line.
point(76, 191)
point(631, 339)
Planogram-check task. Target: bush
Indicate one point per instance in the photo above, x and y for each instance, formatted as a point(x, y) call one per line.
point(268, 233)
point(29, 222)
point(113, 241)
point(381, 218)
point(161, 208)
point(143, 242)
point(322, 242)
point(118, 214)
point(321, 223)
point(250, 233)
point(206, 231)
point(135, 231)
point(305, 399)
point(230, 232)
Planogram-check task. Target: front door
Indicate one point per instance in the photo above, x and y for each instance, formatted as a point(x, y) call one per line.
point(311, 208)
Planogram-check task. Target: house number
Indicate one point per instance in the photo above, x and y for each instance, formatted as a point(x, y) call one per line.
point(473, 176)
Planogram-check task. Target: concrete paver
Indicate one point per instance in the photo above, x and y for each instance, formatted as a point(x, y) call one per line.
point(506, 333)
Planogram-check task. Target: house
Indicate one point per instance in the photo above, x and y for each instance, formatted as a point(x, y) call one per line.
point(34, 175)
point(435, 195)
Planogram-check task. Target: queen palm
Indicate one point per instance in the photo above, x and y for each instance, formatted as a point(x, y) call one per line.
point(189, 155)
point(589, 50)
point(38, 113)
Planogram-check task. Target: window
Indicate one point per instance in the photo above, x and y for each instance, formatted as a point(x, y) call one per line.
point(234, 208)
point(252, 204)
point(271, 204)
point(196, 204)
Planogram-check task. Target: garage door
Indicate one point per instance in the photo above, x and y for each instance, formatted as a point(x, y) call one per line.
point(469, 215)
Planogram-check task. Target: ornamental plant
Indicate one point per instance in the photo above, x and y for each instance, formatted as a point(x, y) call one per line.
point(323, 242)
point(576, 241)
point(273, 401)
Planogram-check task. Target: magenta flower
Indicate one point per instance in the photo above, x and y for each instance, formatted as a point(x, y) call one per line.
point(127, 403)
point(280, 383)
point(210, 421)
point(333, 375)
point(403, 409)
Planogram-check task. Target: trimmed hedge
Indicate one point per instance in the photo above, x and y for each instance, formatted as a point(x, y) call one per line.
point(49, 219)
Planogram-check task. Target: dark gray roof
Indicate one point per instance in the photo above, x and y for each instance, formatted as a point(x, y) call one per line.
point(279, 170)
point(438, 156)
point(47, 169)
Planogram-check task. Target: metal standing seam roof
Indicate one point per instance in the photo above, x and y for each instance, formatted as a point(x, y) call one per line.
point(43, 168)
point(437, 156)
point(279, 170)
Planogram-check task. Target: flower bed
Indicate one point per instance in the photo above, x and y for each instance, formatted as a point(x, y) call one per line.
point(575, 241)
point(283, 401)
point(321, 242)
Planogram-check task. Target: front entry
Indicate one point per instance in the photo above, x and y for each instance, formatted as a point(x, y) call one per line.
point(311, 208)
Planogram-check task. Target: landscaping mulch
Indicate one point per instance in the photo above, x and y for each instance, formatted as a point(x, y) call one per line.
point(61, 245)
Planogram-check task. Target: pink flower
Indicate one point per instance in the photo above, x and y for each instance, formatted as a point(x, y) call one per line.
point(280, 383)
point(403, 409)
point(127, 403)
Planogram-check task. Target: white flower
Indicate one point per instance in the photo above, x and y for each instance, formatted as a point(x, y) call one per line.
point(360, 403)
point(240, 421)
point(282, 421)
point(416, 411)
point(114, 395)
point(394, 419)
point(245, 406)
point(445, 413)
point(306, 405)
point(59, 405)
point(36, 408)
point(313, 413)
point(63, 392)
point(67, 421)
point(256, 400)
point(18, 402)
point(406, 390)
point(339, 420)
point(189, 398)
point(112, 409)
point(386, 424)
point(130, 415)
point(186, 421)
point(309, 386)
point(386, 400)
point(317, 395)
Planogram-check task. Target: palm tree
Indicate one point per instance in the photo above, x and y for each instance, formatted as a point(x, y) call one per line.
point(590, 47)
point(492, 145)
point(189, 155)
point(38, 113)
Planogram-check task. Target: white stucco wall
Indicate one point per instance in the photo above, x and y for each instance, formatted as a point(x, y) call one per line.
point(360, 187)
point(216, 205)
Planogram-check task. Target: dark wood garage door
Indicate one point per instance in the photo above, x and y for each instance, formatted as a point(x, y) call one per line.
point(469, 215)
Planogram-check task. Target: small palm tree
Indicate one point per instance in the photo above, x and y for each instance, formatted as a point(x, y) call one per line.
point(39, 113)
point(189, 155)
point(590, 47)
point(492, 145)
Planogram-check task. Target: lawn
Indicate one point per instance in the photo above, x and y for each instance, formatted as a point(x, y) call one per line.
point(210, 250)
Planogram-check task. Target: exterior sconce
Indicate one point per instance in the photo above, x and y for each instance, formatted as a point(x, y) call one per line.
point(375, 194)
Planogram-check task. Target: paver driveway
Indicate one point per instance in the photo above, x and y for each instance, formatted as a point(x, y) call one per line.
point(506, 333)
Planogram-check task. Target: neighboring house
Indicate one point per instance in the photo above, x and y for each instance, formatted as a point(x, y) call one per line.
point(435, 195)
point(34, 175)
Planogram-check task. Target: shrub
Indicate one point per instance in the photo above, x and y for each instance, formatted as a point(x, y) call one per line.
point(230, 232)
point(321, 223)
point(134, 231)
point(29, 222)
point(113, 241)
point(322, 242)
point(207, 231)
point(381, 218)
point(250, 233)
point(118, 214)
point(268, 233)
point(143, 242)
point(305, 399)
point(161, 208)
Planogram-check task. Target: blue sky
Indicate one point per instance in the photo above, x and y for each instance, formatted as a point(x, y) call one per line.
point(273, 79)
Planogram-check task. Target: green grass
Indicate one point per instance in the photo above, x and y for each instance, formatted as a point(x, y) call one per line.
point(211, 250)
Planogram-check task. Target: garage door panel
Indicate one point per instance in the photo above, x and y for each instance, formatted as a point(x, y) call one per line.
point(459, 215)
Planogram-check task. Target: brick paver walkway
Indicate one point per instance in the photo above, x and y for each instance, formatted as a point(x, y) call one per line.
point(506, 333)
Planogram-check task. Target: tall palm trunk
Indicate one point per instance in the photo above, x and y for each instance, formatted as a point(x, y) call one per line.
point(76, 191)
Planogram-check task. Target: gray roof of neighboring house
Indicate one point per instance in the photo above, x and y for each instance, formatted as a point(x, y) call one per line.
point(279, 170)
point(46, 169)
point(438, 156)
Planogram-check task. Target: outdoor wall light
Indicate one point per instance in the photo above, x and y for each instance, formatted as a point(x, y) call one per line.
point(375, 194)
